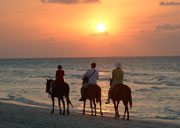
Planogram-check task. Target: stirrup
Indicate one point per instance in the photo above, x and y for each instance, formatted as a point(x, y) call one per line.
point(81, 99)
point(107, 102)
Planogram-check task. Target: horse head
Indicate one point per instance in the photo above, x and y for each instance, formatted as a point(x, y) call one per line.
point(48, 84)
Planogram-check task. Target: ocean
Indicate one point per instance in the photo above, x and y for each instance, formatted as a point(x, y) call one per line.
point(154, 81)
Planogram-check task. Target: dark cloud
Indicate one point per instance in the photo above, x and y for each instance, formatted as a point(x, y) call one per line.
point(172, 3)
point(167, 27)
point(70, 1)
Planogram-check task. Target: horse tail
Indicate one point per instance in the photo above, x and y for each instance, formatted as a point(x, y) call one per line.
point(69, 102)
point(98, 93)
point(130, 98)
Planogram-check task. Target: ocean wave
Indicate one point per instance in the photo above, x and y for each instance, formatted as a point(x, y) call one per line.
point(167, 117)
point(46, 77)
point(148, 89)
point(75, 76)
point(157, 88)
point(136, 74)
point(26, 101)
point(170, 83)
point(160, 78)
point(142, 90)
point(104, 79)
point(145, 83)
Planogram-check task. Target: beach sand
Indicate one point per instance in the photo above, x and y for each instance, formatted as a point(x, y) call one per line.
point(17, 115)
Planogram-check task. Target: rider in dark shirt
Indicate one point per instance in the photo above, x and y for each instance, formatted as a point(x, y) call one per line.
point(59, 74)
point(59, 78)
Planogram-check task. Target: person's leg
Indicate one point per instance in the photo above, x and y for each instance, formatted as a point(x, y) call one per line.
point(109, 93)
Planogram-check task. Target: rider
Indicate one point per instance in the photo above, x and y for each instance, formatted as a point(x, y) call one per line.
point(59, 78)
point(93, 75)
point(59, 75)
point(117, 78)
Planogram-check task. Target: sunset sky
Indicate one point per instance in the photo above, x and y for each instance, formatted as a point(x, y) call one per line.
point(67, 28)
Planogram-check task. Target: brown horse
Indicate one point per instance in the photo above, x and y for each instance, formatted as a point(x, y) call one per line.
point(93, 93)
point(59, 91)
point(121, 92)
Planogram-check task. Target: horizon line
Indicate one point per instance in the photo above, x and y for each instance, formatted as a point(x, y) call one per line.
point(87, 57)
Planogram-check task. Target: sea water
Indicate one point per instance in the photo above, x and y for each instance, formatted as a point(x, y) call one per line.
point(154, 81)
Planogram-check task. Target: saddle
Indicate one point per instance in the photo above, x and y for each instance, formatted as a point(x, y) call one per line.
point(117, 87)
point(89, 91)
point(57, 85)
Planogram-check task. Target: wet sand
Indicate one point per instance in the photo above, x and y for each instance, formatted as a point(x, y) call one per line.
point(18, 115)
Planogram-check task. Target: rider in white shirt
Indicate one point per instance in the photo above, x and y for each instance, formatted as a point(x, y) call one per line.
point(93, 75)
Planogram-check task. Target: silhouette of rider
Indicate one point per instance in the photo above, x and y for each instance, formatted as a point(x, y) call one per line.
point(93, 75)
point(117, 78)
point(59, 78)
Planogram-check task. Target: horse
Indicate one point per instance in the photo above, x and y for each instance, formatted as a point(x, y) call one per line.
point(93, 93)
point(121, 92)
point(59, 91)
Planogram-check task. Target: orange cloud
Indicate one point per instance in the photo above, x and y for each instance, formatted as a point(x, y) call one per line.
point(169, 3)
point(70, 1)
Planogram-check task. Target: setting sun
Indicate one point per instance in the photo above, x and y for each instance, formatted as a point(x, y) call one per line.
point(101, 27)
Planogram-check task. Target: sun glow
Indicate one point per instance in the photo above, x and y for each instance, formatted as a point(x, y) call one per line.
point(101, 27)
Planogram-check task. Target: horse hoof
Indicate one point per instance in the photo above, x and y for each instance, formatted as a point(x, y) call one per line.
point(114, 117)
point(122, 118)
point(101, 114)
point(127, 119)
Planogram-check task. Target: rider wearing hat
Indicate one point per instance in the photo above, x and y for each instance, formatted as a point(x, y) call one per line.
point(117, 78)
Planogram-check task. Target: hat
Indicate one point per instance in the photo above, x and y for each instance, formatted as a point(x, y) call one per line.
point(118, 65)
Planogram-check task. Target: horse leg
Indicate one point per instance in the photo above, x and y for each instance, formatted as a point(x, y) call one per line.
point(117, 109)
point(100, 109)
point(114, 102)
point(84, 107)
point(124, 109)
point(67, 106)
point(127, 111)
point(63, 106)
point(94, 106)
point(59, 102)
point(52, 104)
point(91, 107)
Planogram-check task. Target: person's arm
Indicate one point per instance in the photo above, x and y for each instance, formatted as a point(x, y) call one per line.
point(122, 75)
point(113, 75)
point(56, 74)
point(63, 72)
point(86, 73)
point(97, 74)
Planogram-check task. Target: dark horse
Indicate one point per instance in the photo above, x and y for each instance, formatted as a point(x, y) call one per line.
point(59, 92)
point(121, 92)
point(93, 93)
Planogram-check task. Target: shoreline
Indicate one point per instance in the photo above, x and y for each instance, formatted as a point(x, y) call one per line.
point(14, 114)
